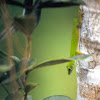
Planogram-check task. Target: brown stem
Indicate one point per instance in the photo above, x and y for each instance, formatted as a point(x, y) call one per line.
point(27, 55)
point(25, 96)
point(29, 46)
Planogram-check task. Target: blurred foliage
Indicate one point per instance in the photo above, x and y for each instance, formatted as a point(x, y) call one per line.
point(21, 74)
point(57, 97)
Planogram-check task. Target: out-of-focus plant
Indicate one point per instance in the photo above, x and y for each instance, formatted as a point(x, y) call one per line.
point(57, 97)
point(31, 14)
point(21, 75)
point(13, 69)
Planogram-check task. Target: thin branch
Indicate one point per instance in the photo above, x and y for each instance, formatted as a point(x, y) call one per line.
point(28, 6)
point(52, 4)
point(25, 96)
point(35, 3)
point(28, 3)
point(11, 2)
point(47, 4)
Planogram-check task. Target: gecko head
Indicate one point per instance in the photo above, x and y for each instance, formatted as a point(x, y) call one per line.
point(70, 67)
point(70, 71)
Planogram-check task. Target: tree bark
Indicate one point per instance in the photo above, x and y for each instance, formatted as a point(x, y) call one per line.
point(88, 71)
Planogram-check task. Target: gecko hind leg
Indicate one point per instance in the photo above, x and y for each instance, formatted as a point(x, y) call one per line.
point(79, 53)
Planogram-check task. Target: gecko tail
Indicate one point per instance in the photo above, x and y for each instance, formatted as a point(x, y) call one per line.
point(8, 31)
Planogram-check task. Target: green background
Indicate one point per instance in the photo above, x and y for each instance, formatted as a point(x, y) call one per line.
point(50, 40)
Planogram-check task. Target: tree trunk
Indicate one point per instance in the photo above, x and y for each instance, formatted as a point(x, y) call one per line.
point(88, 71)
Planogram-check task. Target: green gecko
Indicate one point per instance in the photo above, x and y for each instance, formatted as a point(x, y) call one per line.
point(74, 41)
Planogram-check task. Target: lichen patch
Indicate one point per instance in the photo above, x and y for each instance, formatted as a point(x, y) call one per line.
point(90, 92)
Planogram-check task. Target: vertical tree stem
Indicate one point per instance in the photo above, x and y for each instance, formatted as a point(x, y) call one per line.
point(88, 71)
point(27, 54)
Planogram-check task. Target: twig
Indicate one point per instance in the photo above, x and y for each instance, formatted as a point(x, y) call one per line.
point(13, 2)
point(52, 4)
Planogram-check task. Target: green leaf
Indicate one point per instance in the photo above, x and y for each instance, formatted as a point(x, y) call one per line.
point(49, 63)
point(5, 77)
point(15, 59)
point(25, 24)
point(80, 57)
point(57, 97)
point(4, 68)
point(29, 87)
point(4, 58)
point(4, 62)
